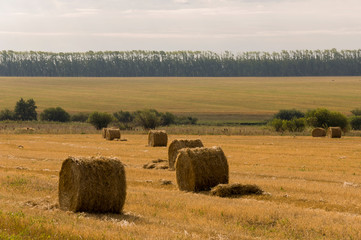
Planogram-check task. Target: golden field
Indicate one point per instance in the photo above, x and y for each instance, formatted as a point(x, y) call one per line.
point(223, 98)
point(313, 190)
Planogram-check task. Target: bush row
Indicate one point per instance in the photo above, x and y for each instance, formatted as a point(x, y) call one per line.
point(147, 118)
point(296, 121)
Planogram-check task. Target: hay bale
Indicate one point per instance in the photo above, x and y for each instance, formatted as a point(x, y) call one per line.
point(176, 145)
point(318, 132)
point(112, 134)
point(157, 138)
point(104, 132)
point(199, 169)
point(235, 190)
point(92, 185)
point(334, 132)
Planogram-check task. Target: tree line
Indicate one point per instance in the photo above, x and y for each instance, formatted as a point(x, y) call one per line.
point(181, 63)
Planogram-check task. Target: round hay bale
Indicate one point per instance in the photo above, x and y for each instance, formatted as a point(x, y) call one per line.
point(200, 169)
point(334, 132)
point(104, 132)
point(92, 185)
point(318, 132)
point(176, 145)
point(157, 138)
point(111, 134)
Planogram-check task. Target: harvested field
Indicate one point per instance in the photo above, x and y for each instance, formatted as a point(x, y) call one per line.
point(224, 98)
point(314, 193)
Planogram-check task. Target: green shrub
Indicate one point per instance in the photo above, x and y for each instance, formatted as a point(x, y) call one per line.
point(289, 114)
point(186, 120)
point(167, 119)
point(79, 117)
point(294, 125)
point(325, 118)
point(100, 120)
point(7, 114)
point(356, 122)
point(277, 124)
point(147, 118)
point(25, 110)
point(356, 112)
point(123, 117)
point(300, 124)
point(55, 114)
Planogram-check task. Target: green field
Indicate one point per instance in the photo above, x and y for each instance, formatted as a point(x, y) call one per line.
point(246, 98)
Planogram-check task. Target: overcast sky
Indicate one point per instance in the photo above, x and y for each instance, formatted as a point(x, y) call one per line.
point(216, 25)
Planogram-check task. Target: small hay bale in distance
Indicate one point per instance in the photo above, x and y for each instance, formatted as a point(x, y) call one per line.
point(112, 134)
point(104, 132)
point(334, 132)
point(94, 185)
point(176, 145)
point(235, 190)
point(318, 132)
point(200, 169)
point(157, 138)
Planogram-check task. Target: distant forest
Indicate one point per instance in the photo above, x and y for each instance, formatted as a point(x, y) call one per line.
point(181, 63)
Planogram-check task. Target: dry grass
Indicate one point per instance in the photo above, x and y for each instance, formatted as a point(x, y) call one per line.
point(314, 186)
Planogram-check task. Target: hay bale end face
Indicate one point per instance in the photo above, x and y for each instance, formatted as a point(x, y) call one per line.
point(95, 185)
point(104, 132)
point(157, 138)
point(176, 145)
point(200, 169)
point(334, 132)
point(235, 190)
point(112, 134)
point(318, 132)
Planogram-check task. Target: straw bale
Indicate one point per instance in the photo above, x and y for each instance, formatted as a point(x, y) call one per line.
point(157, 138)
point(334, 132)
point(176, 145)
point(92, 185)
point(200, 169)
point(318, 132)
point(235, 190)
point(104, 132)
point(112, 134)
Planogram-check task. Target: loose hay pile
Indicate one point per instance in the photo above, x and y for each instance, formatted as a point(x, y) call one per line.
point(200, 169)
point(157, 138)
point(334, 132)
point(112, 134)
point(235, 190)
point(318, 132)
point(92, 185)
point(176, 145)
point(156, 164)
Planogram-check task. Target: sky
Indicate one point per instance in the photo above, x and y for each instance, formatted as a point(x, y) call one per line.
point(171, 25)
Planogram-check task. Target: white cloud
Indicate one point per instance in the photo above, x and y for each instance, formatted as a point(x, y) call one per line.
point(182, 1)
point(180, 24)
